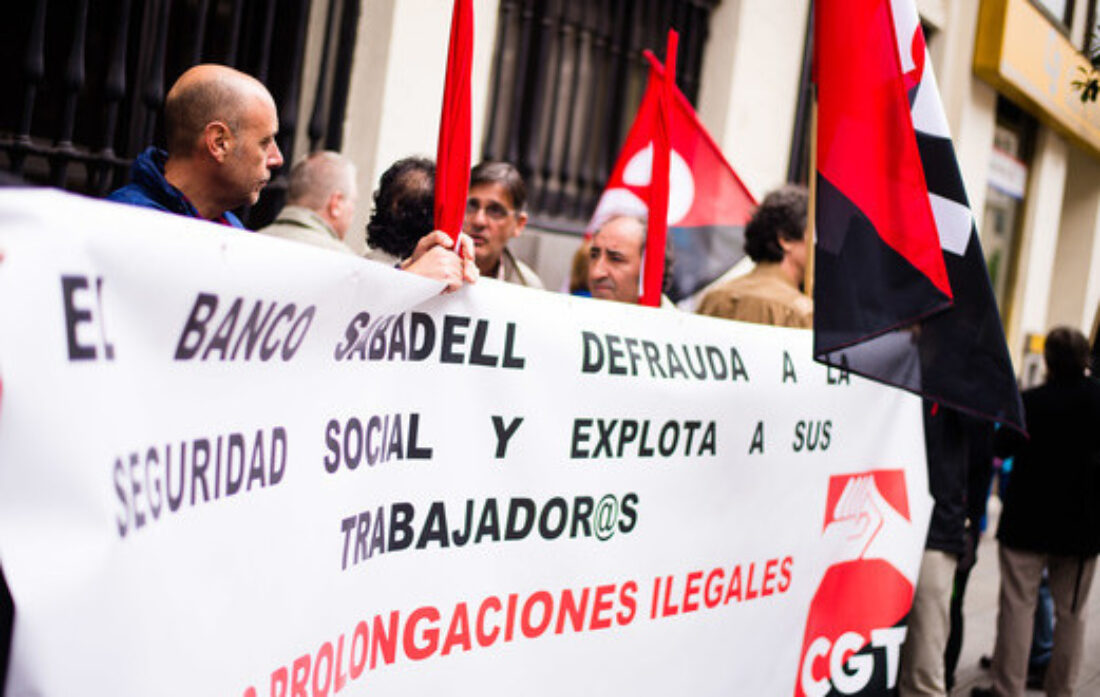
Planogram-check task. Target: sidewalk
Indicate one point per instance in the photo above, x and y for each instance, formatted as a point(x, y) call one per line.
point(980, 611)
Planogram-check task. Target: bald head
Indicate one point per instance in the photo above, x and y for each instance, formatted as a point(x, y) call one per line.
point(205, 94)
point(324, 182)
point(220, 126)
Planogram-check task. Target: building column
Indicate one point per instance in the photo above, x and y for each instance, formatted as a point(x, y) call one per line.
point(396, 89)
point(751, 69)
point(1040, 231)
point(1075, 288)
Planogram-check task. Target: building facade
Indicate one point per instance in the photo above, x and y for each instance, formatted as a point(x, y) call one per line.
point(555, 83)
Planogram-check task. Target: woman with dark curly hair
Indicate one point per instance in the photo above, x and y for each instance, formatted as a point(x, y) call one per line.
point(403, 208)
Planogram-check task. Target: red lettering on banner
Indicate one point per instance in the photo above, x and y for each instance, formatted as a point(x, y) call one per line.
point(785, 574)
point(668, 610)
point(387, 641)
point(431, 634)
point(326, 654)
point(299, 676)
point(602, 605)
point(630, 606)
point(575, 612)
point(749, 592)
point(734, 590)
point(358, 666)
point(458, 632)
point(484, 639)
point(278, 682)
point(509, 627)
point(710, 598)
point(341, 679)
point(533, 631)
point(769, 577)
point(420, 636)
point(691, 589)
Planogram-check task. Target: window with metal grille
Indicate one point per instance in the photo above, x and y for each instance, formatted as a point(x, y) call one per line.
point(568, 76)
point(85, 81)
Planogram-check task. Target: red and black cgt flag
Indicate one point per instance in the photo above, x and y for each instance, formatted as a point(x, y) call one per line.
point(901, 292)
point(708, 205)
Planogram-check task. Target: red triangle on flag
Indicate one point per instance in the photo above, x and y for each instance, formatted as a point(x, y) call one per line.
point(703, 188)
point(705, 194)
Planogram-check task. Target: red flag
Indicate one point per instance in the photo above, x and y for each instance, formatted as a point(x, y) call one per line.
point(452, 159)
point(900, 286)
point(708, 205)
point(657, 229)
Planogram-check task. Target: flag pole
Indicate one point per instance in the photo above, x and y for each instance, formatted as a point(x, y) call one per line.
point(452, 159)
point(811, 216)
point(657, 228)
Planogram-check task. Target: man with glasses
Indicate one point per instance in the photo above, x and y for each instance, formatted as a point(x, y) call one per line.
point(495, 214)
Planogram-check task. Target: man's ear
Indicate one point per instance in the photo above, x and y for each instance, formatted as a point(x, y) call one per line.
point(335, 204)
point(521, 222)
point(217, 140)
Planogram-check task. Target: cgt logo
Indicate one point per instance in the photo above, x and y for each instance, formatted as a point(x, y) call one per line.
point(849, 669)
point(855, 627)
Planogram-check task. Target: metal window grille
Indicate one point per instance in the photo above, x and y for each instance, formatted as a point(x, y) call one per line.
point(87, 80)
point(568, 76)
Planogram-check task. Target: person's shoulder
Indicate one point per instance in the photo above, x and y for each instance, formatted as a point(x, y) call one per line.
point(135, 195)
point(524, 275)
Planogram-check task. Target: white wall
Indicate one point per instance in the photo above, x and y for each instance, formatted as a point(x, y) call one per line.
point(397, 85)
point(749, 88)
point(1042, 219)
point(1075, 287)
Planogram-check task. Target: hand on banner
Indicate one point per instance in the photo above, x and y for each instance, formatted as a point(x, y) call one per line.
point(434, 258)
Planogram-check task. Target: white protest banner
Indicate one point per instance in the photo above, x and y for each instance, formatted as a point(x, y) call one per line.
point(236, 465)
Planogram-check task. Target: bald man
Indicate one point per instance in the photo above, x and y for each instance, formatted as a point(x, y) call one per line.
point(220, 127)
point(321, 200)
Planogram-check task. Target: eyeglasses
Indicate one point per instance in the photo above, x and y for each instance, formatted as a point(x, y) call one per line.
point(493, 210)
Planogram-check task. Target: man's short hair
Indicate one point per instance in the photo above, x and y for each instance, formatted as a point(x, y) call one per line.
point(506, 175)
point(670, 248)
point(321, 174)
point(1066, 352)
point(782, 213)
point(190, 107)
point(404, 207)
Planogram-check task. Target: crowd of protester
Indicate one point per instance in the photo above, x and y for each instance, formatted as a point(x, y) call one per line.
point(220, 128)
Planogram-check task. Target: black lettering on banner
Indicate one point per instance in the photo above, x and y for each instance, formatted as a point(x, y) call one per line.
point(628, 513)
point(201, 312)
point(401, 532)
point(788, 368)
point(835, 375)
point(511, 360)
point(812, 435)
point(452, 338)
point(592, 359)
point(478, 356)
point(504, 433)
point(351, 334)
point(514, 530)
point(757, 445)
point(604, 442)
point(738, 369)
point(580, 436)
point(75, 316)
point(161, 479)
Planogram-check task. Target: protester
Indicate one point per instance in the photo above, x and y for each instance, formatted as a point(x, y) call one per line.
point(495, 213)
point(220, 127)
point(769, 294)
point(578, 272)
point(403, 210)
point(1050, 519)
point(979, 478)
point(615, 261)
point(400, 233)
point(321, 200)
point(947, 436)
